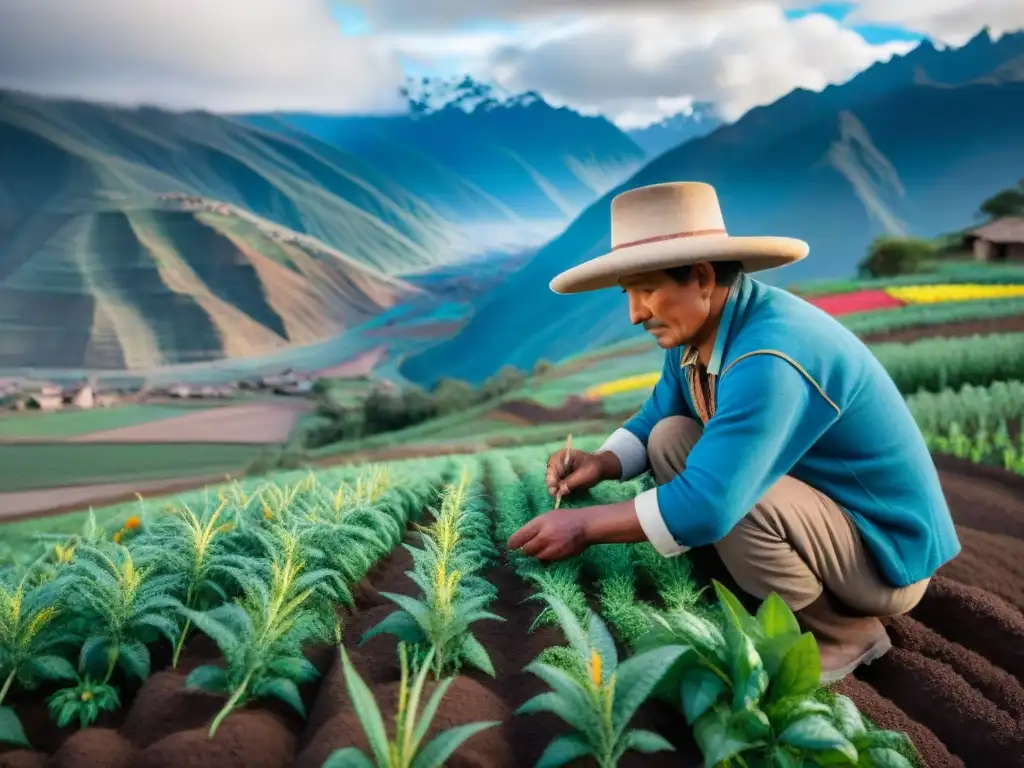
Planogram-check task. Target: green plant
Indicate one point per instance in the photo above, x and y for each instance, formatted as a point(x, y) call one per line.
point(454, 547)
point(29, 636)
point(85, 700)
point(182, 542)
point(752, 692)
point(262, 635)
point(403, 750)
point(119, 608)
point(600, 705)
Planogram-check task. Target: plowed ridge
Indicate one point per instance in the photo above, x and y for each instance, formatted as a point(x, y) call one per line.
point(953, 679)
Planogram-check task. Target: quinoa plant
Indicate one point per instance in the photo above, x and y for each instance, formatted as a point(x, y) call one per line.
point(405, 749)
point(262, 634)
point(600, 705)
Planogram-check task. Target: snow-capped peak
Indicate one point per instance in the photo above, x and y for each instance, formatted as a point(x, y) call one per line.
point(433, 94)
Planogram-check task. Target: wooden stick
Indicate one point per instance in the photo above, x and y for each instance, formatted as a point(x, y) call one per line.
point(568, 451)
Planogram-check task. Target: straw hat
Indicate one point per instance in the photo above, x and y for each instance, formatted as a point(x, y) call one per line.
point(673, 225)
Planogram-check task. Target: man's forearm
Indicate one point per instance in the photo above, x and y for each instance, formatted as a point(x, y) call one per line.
point(613, 524)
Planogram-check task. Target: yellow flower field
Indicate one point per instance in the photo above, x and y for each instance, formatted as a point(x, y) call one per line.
point(628, 384)
point(929, 294)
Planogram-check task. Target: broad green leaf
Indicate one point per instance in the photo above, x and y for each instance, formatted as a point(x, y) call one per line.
point(600, 639)
point(298, 669)
point(800, 670)
point(750, 724)
point(54, 668)
point(400, 624)
point(562, 750)
point(283, 689)
point(716, 738)
point(636, 679)
point(700, 689)
point(208, 678)
point(366, 710)
point(748, 676)
point(877, 738)
point(780, 757)
point(578, 714)
point(646, 742)
point(437, 751)
point(884, 757)
point(785, 711)
point(11, 731)
point(848, 718)
point(426, 716)
point(571, 627)
point(816, 734)
point(349, 757)
point(738, 616)
point(476, 655)
point(95, 655)
point(773, 650)
point(134, 657)
point(412, 606)
point(776, 618)
point(165, 625)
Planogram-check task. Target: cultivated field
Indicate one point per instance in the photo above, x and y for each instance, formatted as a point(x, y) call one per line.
point(232, 625)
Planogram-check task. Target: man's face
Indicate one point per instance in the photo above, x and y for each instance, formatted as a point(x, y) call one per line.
point(674, 313)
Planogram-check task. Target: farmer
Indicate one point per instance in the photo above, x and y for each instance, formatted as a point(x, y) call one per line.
point(773, 434)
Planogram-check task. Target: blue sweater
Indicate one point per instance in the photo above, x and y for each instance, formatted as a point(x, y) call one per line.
point(798, 394)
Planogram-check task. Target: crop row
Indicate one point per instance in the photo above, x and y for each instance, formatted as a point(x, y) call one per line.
point(262, 574)
point(915, 315)
point(936, 364)
point(747, 684)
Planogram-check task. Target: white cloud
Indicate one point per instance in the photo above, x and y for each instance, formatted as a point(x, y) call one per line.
point(951, 21)
point(638, 67)
point(223, 55)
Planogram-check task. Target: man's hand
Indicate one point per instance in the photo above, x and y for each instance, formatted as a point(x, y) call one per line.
point(563, 533)
point(582, 471)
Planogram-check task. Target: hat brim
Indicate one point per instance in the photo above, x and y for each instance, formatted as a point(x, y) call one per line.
point(755, 253)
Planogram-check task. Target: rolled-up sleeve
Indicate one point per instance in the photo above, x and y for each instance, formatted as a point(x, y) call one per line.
point(768, 415)
point(629, 443)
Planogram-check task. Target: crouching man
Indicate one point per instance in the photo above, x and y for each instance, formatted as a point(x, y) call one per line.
point(773, 435)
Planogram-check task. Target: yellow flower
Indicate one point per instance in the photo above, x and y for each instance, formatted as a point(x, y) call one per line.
point(86, 696)
point(595, 667)
point(118, 536)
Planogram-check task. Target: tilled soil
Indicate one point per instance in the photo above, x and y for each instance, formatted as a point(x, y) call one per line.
point(952, 681)
point(1008, 324)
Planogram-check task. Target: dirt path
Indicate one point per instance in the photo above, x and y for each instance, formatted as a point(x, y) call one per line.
point(963, 328)
point(248, 423)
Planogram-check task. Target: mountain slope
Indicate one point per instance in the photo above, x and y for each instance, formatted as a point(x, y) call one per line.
point(507, 171)
point(73, 156)
point(911, 146)
point(190, 281)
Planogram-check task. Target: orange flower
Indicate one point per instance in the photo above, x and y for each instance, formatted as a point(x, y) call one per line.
point(132, 523)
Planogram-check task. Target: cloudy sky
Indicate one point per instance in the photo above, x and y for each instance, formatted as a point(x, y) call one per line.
point(632, 60)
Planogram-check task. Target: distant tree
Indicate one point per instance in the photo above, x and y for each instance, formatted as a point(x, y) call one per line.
point(1009, 202)
point(453, 395)
point(507, 379)
point(419, 405)
point(888, 256)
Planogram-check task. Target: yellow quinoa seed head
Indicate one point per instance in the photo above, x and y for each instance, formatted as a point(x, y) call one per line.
point(595, 666)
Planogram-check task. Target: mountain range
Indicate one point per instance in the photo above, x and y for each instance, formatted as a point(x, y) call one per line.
point(909, 146)
point(700, 120)
point(132, 238)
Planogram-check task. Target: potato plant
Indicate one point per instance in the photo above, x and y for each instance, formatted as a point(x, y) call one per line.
point(752, 693)
point(405, 749)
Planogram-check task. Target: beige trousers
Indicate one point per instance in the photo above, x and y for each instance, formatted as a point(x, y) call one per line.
point(795, 541)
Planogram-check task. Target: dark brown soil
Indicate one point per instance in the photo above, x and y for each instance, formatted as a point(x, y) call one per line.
point(99, 747)
point(529, 412)
point(1009, 324)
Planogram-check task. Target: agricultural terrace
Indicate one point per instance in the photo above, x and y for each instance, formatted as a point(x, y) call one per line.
point(370, 615)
